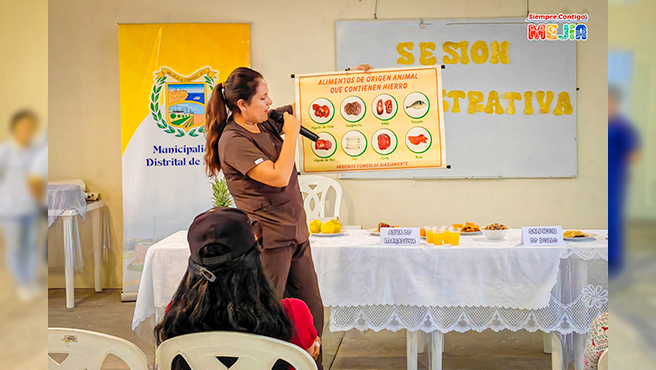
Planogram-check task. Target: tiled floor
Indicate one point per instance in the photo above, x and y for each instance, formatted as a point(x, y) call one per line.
point(104, 312)
point(632, 302)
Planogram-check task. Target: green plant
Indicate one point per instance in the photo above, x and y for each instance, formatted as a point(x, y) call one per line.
point(221, 194)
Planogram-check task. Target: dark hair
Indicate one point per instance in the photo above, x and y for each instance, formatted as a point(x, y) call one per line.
point(241, 85)
point(240, 299)
point(21, 115)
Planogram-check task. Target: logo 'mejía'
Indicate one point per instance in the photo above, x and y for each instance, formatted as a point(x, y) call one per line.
point(177, 103)
point(549, 31)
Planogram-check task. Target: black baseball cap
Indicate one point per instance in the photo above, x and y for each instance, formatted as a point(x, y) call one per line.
point(227, 231)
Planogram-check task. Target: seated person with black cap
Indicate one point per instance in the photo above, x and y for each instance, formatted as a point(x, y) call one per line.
point(224, 288)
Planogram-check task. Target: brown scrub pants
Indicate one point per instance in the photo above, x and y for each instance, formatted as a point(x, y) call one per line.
point(290, 271)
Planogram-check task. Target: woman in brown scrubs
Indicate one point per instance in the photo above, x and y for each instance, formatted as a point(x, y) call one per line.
point(258, 164)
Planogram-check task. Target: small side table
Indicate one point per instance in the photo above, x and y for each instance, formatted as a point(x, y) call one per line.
point(95, 210)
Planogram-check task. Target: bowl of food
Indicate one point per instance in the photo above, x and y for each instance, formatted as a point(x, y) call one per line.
point(495, 231)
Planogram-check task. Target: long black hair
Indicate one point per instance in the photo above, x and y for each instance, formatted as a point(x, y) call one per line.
point(240, 85)
point(240, 299)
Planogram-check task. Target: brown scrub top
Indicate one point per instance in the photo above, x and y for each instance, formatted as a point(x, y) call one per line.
point(279, 211)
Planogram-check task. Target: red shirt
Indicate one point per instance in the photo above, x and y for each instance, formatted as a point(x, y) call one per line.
point(301, 318)
point(303, 321)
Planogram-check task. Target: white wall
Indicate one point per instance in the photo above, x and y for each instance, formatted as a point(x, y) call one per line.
point(296, 36)
point(24, 61)
point(633, 19)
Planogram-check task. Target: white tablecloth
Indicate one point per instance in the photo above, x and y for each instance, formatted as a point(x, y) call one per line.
point(65, 197)
point(62, 198)
point(165, 265)
point(577, 292)
point(356, 271)
point(579, 295)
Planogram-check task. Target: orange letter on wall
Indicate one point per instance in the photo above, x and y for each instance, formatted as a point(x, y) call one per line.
point(500, 52)
point(456, 94)
point(475, 100)
point(464, 59)
point(563, 104)
point(528, 103)
point(426, 56)
point(512, 96)
point(405, 56)
point(544, 105)
point(450, 48)
point(479, 52)
point(493, 105)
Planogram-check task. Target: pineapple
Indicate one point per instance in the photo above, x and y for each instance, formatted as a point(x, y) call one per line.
point(221, 194)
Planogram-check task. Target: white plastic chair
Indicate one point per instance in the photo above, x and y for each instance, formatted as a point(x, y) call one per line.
point(316, 188)
point(254, 352)
point(88, 350)
point(558, 357)
point(603, 361)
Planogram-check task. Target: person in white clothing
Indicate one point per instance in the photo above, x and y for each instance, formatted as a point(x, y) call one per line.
point(37, 182)
point(38, 171)
point(18, 205)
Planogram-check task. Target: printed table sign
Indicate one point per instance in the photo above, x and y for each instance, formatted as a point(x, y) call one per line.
point(399, 236)
point(542, 236)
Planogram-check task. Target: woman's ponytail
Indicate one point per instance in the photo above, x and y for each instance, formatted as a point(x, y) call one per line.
point(240, 85)
point(215, 121)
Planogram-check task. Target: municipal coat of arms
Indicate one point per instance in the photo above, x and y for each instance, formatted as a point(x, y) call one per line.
point(177, 103)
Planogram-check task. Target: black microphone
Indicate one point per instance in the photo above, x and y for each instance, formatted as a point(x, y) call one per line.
point(278, 117)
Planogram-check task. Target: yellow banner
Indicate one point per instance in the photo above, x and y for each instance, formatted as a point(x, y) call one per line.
point(203, 72)
point(167, 75)
point(386, 119)
point(155, 59)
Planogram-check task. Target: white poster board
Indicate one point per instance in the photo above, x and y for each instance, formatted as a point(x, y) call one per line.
point(481, 145)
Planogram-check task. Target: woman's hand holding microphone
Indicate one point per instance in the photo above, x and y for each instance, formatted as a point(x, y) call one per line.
point(292, 126)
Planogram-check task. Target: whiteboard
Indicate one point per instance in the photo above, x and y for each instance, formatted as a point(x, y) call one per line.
point(481, 145)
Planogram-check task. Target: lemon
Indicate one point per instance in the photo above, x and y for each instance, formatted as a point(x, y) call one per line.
point(338, 225)
point(315, 226)
point(328, 228)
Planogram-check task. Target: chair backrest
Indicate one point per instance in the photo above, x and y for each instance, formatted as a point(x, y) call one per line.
point(603, 361)
point(88, 350)
point(253, 352)
point(316, 188)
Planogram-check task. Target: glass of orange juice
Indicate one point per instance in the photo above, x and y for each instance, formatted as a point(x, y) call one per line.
point(429, 235)
point(438, 236)
point(447, 236)
point(455, 237)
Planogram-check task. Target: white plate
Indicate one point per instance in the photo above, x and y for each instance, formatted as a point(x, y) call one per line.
point(590, 237)
point(374, 232)
point(471, 233)
point(328, 235)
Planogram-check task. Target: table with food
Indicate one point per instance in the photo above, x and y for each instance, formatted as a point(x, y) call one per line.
point(461, 277)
